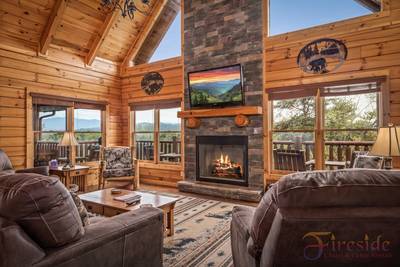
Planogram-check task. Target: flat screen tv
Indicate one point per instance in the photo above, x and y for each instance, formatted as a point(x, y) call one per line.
point(217, 87)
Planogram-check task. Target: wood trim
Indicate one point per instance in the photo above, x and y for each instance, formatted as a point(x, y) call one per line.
point(150, 22)
point(52, 24)
point(225, 112)
point(29, 160)
point(101, 36)
point(63, 98)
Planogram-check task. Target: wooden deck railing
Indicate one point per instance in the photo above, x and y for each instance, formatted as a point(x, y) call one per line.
point(145, 149)
point(47, 150)
point(334, 150)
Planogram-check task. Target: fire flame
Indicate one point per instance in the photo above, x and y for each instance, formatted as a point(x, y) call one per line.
point(224, 160)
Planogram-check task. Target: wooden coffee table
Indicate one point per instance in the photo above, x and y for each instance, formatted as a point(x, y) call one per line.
point(102, 202)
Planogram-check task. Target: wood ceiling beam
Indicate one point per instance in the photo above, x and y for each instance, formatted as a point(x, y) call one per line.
point(52, 24)
point(101, 35)
point(372, 5)
point(144, 32)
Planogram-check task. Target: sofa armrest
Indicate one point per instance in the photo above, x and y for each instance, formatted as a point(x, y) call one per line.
point(240, 235)
point(43, 170)
point(133, 238)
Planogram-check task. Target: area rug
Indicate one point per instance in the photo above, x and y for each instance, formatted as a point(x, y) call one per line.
point(202, 236)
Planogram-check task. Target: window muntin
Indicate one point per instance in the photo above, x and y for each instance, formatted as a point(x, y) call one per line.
point(292, 15)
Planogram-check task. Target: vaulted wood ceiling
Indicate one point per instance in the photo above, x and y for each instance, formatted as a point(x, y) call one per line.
point(80, 27)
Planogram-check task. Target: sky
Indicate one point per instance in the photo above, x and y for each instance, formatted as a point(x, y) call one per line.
point(292, 15)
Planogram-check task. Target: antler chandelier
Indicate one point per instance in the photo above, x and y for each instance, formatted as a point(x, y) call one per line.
point(127, 7)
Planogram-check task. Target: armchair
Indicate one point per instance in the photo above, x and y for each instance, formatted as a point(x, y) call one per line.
point(118, 165)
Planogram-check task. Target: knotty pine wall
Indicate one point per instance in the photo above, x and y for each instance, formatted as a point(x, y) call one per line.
point(57, 73)
point(373, 43)
point(171, 70)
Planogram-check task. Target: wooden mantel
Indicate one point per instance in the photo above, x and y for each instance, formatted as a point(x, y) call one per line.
point(240, 114)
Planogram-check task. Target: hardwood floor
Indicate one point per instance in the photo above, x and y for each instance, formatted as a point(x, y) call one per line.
point(172, 190)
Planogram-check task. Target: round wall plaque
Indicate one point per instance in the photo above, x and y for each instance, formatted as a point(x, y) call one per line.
point(322, 56)
point(152, 83)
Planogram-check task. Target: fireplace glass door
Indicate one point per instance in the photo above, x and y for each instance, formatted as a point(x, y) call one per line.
point(222, 159)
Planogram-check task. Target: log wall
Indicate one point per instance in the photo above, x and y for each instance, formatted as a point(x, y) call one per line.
point(57, 73)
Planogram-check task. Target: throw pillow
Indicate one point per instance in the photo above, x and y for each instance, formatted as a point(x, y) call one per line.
point(368, 162)
point(83, 213)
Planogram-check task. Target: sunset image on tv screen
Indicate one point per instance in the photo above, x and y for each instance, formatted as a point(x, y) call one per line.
point(218, 86)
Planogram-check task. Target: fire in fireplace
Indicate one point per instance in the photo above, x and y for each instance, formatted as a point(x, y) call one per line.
point(222, 159)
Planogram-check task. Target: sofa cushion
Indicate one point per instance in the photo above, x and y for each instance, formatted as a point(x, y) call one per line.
point(13, 241)
point(42, 206)
point(43, 170)
point(368, 162)
point(262, 221)
point(340, 188)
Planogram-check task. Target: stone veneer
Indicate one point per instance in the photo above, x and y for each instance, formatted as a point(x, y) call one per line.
point(219, 33)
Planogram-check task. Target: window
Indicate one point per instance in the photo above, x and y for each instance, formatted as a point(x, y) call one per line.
point(52, 117)
point(170, 45)
point(48, 128)
point(87, 128)
point(291, 15)
point(293, 127)
point(348, 121)
point(156, 133)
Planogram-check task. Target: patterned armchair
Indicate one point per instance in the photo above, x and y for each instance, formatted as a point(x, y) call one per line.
point(118, 165)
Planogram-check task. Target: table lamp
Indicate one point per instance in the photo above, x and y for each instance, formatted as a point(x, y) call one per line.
point(387, 144)
point(67, 141)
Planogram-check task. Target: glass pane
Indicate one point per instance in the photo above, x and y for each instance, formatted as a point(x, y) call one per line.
point(293, 151)
point(89, 146)
point(292, 15)
point(51, 118)
point(87, 120)
point(144, 120)
point(340, 145)
point(351, 111)
point(170, 147)
point(144, 146)
point(169, 120)
point(294, 114)
point(46, 148)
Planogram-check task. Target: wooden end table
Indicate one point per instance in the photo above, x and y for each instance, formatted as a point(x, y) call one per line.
point(102, 202)
point(74, 175)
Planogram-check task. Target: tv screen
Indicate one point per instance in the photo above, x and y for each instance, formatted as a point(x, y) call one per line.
point(216, 87)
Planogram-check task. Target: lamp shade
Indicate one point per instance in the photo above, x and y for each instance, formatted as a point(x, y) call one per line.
point(68, 139)
point(387, 143)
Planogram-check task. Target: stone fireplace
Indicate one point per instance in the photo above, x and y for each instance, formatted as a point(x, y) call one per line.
point(222, 159)
point(217, 34)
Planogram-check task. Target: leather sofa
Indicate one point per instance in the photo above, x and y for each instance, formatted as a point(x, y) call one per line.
point(40, 226)
point(324, 218)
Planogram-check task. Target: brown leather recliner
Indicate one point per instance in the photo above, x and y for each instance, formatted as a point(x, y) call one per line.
point(324, 218)
point(40, 226)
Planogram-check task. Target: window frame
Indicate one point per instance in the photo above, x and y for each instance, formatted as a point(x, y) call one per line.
point(70, 118)
point(319, 128)
point(156, 134)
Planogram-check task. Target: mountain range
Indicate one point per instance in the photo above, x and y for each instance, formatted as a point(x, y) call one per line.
point(216, 88)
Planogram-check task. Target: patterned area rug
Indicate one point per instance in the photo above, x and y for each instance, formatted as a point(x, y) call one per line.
point(202, 236)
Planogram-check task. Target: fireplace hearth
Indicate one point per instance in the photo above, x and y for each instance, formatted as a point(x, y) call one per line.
point(222, 159)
